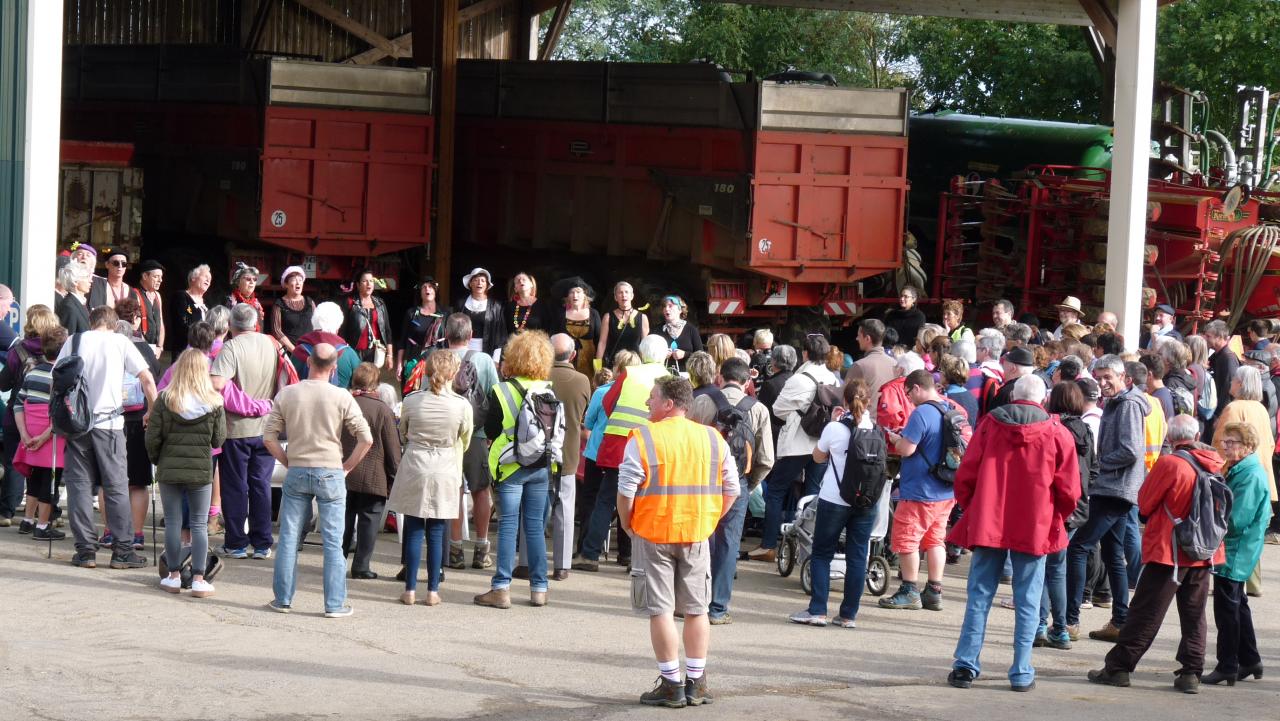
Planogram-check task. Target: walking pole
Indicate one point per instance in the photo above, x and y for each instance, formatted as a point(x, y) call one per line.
point(154, 558)
point(53, 470)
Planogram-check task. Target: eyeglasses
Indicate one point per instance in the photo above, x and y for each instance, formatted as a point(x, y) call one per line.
point(119, 263)
point(1231, 442)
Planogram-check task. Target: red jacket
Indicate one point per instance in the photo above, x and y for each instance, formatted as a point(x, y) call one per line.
point(1171, 483)
point(1018, 482)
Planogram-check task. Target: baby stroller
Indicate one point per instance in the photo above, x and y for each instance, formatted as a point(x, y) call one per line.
point(796, 547)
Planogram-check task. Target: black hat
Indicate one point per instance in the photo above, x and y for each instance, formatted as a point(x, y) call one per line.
point(1166, 308)
point(1089, 387)
point(147, 266)
point(561, 289)
point(1020, 356)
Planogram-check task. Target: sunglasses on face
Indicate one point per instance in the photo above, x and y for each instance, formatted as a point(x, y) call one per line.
point(119, 263)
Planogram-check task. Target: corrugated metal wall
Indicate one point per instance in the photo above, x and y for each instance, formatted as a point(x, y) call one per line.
point(290, 29)
point(13, 83)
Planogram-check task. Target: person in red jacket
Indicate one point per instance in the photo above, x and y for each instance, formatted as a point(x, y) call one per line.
point(1018, 482)
point(1167, 492)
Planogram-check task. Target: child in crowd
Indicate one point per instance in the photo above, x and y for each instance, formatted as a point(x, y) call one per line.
point(187, 422)
point(37, 458)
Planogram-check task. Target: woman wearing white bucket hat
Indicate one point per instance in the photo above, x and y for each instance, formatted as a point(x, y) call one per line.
point(291, 314)
point(488, 331)
point(1069, 311)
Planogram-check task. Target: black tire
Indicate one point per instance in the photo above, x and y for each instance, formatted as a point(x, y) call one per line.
point(877, 576)
point(806, 576)
point(787, 557)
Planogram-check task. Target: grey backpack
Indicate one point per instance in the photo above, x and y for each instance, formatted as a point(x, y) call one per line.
point(539, 432)
point(1200, 534)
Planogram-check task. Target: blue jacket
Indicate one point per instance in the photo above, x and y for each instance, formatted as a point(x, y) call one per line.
point(1250, 512)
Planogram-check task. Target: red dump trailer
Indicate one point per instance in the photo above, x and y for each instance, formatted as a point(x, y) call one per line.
point(274, 162)
point(752, 198)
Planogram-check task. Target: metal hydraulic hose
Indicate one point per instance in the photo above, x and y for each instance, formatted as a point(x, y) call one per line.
point(1228, 154)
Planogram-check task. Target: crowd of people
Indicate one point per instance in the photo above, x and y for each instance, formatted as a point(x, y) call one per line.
point(1058, 462)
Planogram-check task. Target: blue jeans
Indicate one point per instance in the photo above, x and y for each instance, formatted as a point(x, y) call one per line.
point(857, 524)
point(777, 485)
point(724, 554)
point(1105, 525)
point(522, 498)
point(328, 486)
point(1053, 602)
point(601, 515)
point(984, 578)
point(415, 530)
point(1132, 548)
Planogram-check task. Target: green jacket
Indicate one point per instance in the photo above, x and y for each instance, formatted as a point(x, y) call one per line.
point(182, 449)
point(1250, 512)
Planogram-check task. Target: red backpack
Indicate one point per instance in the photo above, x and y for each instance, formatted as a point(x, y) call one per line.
point(895, 407)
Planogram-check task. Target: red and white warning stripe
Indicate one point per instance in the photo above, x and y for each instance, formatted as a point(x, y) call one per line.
point(841, 307)
point(726, 307)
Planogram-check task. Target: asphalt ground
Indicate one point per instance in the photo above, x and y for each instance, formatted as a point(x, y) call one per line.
point(106, 644)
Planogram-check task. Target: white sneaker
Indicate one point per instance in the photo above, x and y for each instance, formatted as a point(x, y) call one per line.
point(171, 584)
point(201, 589)
point(340, 613)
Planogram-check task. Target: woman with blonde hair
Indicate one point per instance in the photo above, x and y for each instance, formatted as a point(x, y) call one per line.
point(702, 371)
point(522, 490)
point(187, 422)
point(721, 348)
point(435, 428)
point(623, 327)
point(40, 320)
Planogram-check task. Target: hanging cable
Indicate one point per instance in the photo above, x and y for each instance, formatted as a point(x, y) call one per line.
point(1248, 251)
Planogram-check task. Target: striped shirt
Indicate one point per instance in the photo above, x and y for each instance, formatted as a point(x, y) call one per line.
point(37, 384)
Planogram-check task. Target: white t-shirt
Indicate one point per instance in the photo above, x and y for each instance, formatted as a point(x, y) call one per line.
point(107, 358)
point(835, 442)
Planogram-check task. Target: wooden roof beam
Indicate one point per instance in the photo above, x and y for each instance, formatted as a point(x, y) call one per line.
point(352, 26)
point(404, 45)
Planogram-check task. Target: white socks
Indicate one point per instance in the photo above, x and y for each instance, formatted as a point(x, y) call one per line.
point(694, 668)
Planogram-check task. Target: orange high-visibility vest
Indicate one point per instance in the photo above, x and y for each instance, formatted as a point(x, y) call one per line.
point(680, 499)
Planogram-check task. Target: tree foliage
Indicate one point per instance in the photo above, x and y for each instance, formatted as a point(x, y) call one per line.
point(1006, 69)
point(990, 68)
point(853, 47)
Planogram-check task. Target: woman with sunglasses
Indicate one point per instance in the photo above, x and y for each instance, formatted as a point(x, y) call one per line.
point(244, 284)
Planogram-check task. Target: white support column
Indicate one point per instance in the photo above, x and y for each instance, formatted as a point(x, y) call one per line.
point(43, 128)
point(1126, 235)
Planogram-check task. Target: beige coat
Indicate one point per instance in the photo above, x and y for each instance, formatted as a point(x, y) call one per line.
point(1254, 414)
point(435, 430)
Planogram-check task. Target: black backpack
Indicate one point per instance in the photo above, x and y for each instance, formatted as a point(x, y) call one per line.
point(70, 413)
point(467, 384)
point(864, 477)
point(734, 424)
point(1200, 534)
point(818, 414)
point(955, 441)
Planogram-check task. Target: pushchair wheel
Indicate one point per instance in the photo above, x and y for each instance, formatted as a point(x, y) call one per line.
point(877, 575)
point(786, 557)
point(806, 576)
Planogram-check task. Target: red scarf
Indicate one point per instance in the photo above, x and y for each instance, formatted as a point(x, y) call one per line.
point(253, 301)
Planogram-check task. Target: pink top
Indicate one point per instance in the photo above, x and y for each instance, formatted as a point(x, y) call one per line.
point(36, 417)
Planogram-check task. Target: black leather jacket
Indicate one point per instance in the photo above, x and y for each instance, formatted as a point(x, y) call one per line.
point(357, 320)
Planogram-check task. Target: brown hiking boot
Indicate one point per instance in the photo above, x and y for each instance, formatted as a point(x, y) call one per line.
point(767, 555)
point(665, 693)
point(1109, 633)
point(537, 598)
point(457, 559)
point(696, 692)
point(496, 598)
point(480, 558)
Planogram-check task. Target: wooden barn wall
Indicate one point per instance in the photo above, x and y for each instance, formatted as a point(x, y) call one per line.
point(290, 30)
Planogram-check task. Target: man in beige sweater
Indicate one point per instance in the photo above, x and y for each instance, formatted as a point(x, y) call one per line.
point(313, 414)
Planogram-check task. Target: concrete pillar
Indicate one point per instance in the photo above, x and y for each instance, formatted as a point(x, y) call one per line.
point(43, 128)
point(1126, 235)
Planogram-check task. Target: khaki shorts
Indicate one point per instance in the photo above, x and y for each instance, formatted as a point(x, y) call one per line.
point(475, 465)
point(670, 576)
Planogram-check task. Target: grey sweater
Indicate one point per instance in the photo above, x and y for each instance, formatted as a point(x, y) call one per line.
point(1121, 444)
